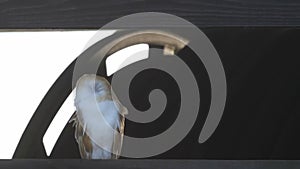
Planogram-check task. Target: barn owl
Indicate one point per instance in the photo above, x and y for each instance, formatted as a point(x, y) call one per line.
point(99, 119)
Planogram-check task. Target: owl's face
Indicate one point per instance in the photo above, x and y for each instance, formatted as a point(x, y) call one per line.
point(91, 85)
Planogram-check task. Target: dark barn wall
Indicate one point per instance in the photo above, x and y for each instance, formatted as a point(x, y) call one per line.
point(77, 14)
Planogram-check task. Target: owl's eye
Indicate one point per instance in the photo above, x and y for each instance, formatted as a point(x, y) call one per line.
point(98, 87)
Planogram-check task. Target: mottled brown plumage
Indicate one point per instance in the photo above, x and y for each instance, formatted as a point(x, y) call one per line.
point(98, 111)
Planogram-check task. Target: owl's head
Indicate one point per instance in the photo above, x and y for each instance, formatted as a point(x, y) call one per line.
point(91, 85)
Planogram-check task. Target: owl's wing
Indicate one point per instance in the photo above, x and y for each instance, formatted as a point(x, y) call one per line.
point(118, 138)
point(83, 140)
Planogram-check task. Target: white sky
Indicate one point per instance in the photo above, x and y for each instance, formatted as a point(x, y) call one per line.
point(30, 62)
